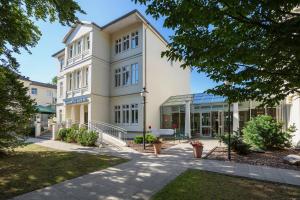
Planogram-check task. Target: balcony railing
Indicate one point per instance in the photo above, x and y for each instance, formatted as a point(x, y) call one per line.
point(77, 92)
point(78, 57)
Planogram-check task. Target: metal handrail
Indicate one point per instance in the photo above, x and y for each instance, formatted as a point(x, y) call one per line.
point(112, 130)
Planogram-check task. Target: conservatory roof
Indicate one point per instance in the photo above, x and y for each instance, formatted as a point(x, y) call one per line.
point(199, 98)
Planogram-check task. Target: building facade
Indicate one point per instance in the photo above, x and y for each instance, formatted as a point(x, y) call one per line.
point(44, 95)
point(104, 69)
point(206, 115)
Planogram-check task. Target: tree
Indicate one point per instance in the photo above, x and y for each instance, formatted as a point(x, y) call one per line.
point(54, 80)
point(18, 31)
point(253, 44)
point(16, 108)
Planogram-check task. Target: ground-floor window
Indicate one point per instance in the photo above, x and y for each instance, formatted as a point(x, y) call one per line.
point(125, 109)
point(117, 114)
point(134, 114)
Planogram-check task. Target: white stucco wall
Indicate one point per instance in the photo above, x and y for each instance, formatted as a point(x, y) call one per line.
point(164, 79)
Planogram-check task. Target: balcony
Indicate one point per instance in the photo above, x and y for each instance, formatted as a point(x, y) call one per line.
point(78, 58)
point(77, 92)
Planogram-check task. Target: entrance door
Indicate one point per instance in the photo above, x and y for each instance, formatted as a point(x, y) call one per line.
point(215, 123)
point(86, 117)
point(206, 124)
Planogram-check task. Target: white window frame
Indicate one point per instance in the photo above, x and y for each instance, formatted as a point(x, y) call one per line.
point(126, 114)
point(118, 46)
point(118, 79)
point(117, 112)
point(70, 82)
point(126, 42)
point(77, 79)
point(87, 76)
point(34, 89)
point(49, 93)
point(134, 109)
point(134, 39)
point(134, 73)
point(125, 74)
point(78, 46)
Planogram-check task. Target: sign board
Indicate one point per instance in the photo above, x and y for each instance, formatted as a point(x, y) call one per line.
point(76, 100)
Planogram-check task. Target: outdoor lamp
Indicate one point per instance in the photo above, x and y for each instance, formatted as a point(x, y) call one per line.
point(143, 94)
point(229, 125)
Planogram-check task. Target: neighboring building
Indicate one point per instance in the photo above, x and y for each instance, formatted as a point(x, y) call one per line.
point(44, 95)
point(104, 69)
point(206, 115)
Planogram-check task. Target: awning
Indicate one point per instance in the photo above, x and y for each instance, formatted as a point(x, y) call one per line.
point(46, 109)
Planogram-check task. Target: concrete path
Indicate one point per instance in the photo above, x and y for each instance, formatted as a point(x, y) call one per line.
point(145, 175)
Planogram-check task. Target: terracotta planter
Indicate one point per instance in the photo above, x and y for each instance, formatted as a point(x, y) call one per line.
point(157, 148)
point(198, 151)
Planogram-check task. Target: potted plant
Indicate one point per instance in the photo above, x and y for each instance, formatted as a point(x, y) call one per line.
point(197, 148)
point(156, 145)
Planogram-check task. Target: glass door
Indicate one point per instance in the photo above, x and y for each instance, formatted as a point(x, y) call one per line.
point(215, 123)
point(206, 124)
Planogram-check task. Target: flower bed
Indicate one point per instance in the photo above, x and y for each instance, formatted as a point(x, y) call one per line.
point(149, 147)
point(269, 158)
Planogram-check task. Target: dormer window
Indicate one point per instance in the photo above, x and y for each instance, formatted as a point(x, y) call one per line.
point(125, 42)
point(134, 39)
point(61, 62)
point(118, 46)
point(79, 47)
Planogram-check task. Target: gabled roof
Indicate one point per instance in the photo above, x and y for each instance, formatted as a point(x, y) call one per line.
point(59, 52)
point(133, 12)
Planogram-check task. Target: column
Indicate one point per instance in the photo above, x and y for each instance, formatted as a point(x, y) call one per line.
point(73, 114)
point(187, 124)
point(81, 114)
point(235, 120)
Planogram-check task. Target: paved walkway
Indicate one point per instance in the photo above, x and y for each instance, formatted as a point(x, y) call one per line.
point(145, 175)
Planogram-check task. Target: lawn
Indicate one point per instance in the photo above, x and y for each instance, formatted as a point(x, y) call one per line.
point(33, 167)
point(196, 184)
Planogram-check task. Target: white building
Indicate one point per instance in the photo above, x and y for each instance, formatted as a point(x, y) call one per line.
point(103, 70)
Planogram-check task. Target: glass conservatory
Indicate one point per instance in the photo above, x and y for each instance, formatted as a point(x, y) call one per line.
point(206, 115)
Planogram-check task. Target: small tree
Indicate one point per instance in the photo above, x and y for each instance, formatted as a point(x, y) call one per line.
point(16, 108)
point(54, 80)
point(266, 133)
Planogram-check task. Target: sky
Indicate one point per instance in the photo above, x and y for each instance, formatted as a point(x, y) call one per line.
point(40, 66)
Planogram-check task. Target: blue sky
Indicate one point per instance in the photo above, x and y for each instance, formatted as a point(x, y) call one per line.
point(40, 66)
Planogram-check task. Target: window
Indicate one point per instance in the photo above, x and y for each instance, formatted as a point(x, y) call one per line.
point(134, 73)
point(125, 75)
point(117, 77)
point(117, 114)
point(78, 77)
point(79, 47)
point(61, 62)
point(134, 114)
point(118, 46)
point(70, 51)
point(125, 110)
point(87, 42)
point(87, 76)
point(61, 89)
point(34, 91)
point(134, 39)
point(70, 81)
point(125, 43)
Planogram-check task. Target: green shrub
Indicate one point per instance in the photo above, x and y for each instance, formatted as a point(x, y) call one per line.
point(237, 143)
point(71, 135)
point(138, 139)
point(87, 138)
point(266, 133)
point(62, 133)
point(150, 138)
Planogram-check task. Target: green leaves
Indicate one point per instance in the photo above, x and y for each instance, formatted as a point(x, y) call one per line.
point(253, 44)
point(17, 29)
